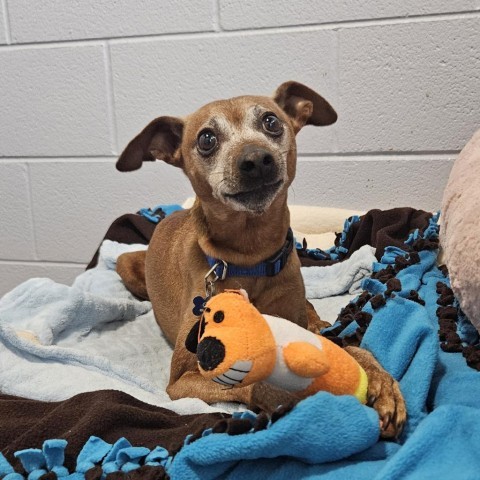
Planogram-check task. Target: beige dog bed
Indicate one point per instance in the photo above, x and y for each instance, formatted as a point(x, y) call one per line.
point(460, 231)
point(318, 225)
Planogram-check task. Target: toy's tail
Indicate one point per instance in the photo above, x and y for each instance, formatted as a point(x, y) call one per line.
point(361, 391)
point(345, 376)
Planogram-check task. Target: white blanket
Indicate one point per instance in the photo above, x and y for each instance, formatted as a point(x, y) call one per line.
point(57, 341)
point(346, 276)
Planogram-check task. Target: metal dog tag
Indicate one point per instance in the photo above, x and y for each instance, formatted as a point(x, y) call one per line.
point(211, 277)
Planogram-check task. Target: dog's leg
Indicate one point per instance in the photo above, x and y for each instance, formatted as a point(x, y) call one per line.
point(258, 397)
point(186, 381)
point(131, 268)
point(315, 323)
point(383, 393)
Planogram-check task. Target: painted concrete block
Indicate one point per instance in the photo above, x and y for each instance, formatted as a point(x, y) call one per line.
point(54, 102)
point(55, 20)
point(3, 26)
point(409, 87)
point(74, 203)
point(274, 13)
point(17, 234)
point(13, 274)
point(365, 183)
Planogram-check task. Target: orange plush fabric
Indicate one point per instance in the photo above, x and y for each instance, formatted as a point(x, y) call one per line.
point(238, 346)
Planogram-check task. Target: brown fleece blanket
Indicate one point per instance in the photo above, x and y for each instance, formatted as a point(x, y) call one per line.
point(107, 414)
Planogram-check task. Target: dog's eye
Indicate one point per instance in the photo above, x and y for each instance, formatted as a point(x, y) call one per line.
point(272, 124)
point(206, 142)
point(218, 316)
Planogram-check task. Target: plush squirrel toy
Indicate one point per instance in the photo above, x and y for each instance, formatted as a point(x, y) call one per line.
point(236, 346)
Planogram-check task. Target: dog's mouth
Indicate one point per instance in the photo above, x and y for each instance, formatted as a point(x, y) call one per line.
point(235, 374)
point(257, 198)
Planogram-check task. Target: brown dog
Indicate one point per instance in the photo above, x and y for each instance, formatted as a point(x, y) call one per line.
point(240, 157)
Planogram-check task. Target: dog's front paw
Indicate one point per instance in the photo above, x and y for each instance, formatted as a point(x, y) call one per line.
point(383, 394)
point(315, 323)
point(267, 398)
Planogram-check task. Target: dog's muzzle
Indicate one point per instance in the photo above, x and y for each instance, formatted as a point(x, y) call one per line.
point(257, 165)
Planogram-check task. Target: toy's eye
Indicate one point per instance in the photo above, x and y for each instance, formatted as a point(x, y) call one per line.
point(218, 316)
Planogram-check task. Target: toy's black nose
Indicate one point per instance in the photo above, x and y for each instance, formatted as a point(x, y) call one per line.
point(210, 353)
point(255, 162)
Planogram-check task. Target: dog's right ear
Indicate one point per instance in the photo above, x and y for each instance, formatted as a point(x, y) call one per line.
point(159, 140)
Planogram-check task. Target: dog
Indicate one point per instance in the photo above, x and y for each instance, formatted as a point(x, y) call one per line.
point(240, 157)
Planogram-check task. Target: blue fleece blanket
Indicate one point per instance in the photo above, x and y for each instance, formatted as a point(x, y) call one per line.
point(336, 437)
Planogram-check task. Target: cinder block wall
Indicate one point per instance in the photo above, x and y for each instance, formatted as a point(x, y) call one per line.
point(79, 79)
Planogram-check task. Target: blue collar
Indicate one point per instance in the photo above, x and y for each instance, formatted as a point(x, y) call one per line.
point(268, 268)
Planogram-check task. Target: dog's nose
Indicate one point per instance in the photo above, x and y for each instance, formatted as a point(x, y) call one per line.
point(210, 353)
point(256, 162)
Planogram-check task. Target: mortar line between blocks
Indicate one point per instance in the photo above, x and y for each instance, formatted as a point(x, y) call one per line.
point(379, 156)
point(361, 22)
point(217, 25)
point(32, 216)
point(6, 22)
point(298, 28)
point(336, 46)
point(434, 154)
point(49, 263)
point(38, 160)
point(304, 28)
point(112, 119)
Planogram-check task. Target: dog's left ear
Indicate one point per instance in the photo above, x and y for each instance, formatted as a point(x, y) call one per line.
point(304, 106)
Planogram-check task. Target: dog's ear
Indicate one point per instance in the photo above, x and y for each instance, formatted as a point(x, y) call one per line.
point(159, 140)
point(304, 106)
